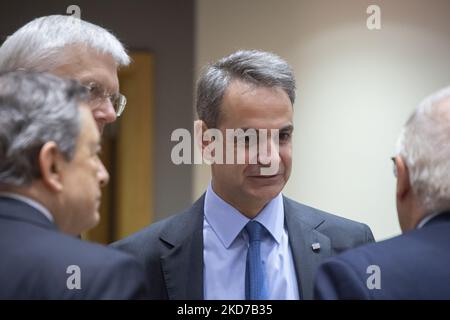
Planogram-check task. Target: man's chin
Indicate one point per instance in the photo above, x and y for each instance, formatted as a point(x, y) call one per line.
point(265, 193)
point(96, 219)
point(92, 222)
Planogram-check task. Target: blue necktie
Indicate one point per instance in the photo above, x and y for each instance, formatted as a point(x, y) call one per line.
point(255, 287)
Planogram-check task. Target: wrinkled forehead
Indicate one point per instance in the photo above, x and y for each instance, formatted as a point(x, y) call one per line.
point(88, 65)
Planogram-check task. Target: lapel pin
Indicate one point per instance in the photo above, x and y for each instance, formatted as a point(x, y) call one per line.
point(315, 246)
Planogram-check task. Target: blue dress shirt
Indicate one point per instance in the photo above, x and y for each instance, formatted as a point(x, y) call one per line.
point(226, 245)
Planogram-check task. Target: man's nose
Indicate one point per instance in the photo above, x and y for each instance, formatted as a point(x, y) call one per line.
point(105, 112)
point(103, 175)
point(268, 152)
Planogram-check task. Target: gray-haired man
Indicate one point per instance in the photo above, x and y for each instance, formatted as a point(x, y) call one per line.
point(50, 179)
point(243, 239)
point(71, 48)
point(416, 264)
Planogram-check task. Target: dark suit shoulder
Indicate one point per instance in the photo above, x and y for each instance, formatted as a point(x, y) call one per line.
point(430, 241)
point(411, 266)
point(43, 260)
point(107, 272)
point(155, 242)
point(151, 242)
point(343, 233)
point(146, 238)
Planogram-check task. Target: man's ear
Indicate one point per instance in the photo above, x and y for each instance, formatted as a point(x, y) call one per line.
point(50, 164)
point(403, 182)
point(199, 129)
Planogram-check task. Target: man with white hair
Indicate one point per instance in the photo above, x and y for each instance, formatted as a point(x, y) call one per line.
point(71, 48)
point(415, 265)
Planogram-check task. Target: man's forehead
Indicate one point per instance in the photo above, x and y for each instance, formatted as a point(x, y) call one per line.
point(244, 89)
point(256, 107)
point(97, 74)
point(99, 78)
point(281, 122)
point(88, 65)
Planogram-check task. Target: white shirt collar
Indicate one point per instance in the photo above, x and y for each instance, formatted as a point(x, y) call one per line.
point(227, 222)
point(32, 203)
point(425, 220)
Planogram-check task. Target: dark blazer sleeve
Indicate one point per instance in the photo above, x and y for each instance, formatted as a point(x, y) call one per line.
point(106, 274)
point(336, 279)
point(122, 279)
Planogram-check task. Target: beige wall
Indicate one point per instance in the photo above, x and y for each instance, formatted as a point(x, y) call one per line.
point(355, 89)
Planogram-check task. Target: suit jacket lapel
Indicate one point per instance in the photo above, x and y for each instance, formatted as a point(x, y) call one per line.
point(183, 264)
point(302, 235)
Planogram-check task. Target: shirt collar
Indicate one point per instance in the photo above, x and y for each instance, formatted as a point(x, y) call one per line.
point(427, 219)
point(30, 202)
point(227, 222)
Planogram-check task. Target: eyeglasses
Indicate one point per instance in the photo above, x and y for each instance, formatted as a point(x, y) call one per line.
point(97, 95)
point(395, 167)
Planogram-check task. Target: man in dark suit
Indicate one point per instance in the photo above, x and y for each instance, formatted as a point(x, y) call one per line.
point(50, 178)
point(415, 265)
point(243, 239)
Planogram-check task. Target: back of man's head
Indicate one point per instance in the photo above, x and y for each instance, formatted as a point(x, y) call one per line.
point(424, 145)
point(37, 46)
point(35, 108)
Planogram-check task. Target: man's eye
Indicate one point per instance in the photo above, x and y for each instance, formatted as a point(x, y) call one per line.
point(284, 136)
point(95, 90)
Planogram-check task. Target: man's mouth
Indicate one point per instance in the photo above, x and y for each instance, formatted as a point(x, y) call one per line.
point(265, 176)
